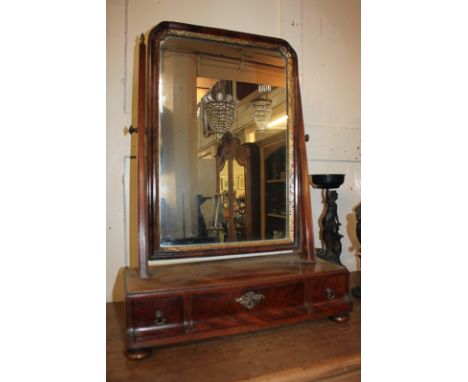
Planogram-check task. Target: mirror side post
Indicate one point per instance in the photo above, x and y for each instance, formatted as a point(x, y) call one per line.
point(142, 184)
point(305, 206)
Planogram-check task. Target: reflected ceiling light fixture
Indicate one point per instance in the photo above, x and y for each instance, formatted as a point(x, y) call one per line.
point(262, 108)
point(218, 109)
point(278, 121)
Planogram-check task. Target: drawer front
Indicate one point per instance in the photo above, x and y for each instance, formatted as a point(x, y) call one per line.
point(157, 318)
point(329, 288)
point(247, 306)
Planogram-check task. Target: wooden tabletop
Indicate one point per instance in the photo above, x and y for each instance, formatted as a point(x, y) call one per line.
point(320, 350)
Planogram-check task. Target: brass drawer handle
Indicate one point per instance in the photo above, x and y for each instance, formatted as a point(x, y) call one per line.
point(250, 299)
point(330, 293)
point(159, 318)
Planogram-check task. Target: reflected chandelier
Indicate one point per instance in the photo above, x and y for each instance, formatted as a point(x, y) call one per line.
point(262, 108)
point(219, 108)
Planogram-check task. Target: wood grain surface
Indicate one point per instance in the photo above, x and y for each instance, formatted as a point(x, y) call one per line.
point(227, 273)
point(313, 351)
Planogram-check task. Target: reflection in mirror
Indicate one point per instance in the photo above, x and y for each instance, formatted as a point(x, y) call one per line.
point(222, 143)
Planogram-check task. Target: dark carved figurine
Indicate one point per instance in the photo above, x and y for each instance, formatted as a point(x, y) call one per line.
point(356, 291)
point(330, 231)
point(331, 223)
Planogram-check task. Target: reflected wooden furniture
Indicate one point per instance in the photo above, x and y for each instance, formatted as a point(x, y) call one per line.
point(310, 351)
point(246, 225)
point(275, 194)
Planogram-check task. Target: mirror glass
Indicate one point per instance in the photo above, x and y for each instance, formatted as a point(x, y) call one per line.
point(223, 139)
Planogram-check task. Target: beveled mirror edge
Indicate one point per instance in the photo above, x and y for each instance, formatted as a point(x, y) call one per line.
point(155, 251)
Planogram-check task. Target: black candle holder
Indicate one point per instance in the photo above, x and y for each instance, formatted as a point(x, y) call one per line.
point(330, 222)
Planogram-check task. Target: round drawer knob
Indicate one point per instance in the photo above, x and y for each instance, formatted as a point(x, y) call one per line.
point(159, 318)
point(330, 293)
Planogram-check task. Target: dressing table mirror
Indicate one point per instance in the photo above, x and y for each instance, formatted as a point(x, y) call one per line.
point(222, 171)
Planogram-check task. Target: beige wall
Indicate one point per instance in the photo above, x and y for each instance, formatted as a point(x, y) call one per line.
point(326, 36)
point(330, 65)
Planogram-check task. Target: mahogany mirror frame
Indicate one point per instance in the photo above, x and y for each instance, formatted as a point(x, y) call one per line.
point(149, 247)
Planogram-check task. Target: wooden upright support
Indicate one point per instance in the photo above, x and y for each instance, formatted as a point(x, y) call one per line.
point(142, 167)
point(305, 205)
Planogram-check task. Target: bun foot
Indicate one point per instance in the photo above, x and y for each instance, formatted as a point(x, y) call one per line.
point(340, 318)
point(139, 354)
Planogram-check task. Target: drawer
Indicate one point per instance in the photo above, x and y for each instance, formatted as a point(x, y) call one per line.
point(247, 306)
point(157, 318)
point(329, 288)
